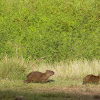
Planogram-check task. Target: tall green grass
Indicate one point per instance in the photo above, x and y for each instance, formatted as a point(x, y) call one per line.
point(18, 68)
point(13, 68)
point(57, 29)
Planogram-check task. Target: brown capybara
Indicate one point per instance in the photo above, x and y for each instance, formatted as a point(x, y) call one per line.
point(39, 77)
point(91, 79)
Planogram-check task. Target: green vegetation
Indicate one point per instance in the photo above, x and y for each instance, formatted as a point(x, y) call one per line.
point(54, 29)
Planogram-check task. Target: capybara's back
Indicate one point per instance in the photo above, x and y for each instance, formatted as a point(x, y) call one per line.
point(91, 79)
point(34, 76)
point(39, 76)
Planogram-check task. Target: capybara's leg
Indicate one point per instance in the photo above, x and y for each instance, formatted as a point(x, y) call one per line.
point(27, 81)
point(96, 83)
point(47, 80)
point(43, 81)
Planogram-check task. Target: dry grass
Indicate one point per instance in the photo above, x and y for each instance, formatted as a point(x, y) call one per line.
point(75, 69)
point(72, 69)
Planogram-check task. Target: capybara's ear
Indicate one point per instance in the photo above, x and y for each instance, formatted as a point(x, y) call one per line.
point(47, 70)
point(98, 74)
point(53, 72)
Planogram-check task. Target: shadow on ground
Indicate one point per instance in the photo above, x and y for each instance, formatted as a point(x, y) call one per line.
point(10, 95)
point(49, 81)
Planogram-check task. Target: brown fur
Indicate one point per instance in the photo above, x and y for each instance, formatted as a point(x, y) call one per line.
point(39, 77)
point(91, 79)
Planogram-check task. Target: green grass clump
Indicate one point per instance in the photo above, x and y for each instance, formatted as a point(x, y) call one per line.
point(12, 69)
point(56, 29)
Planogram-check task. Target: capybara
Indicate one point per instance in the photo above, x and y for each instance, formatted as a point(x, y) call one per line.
point(39, 77)
point(91, 79)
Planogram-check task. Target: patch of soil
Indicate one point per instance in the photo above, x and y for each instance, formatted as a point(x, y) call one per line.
point(84, 90)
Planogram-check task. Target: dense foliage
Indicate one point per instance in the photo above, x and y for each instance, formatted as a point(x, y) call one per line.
point(53, 29)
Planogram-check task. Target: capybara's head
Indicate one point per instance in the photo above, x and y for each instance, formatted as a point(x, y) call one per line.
point(99, 75)
point(49, 72)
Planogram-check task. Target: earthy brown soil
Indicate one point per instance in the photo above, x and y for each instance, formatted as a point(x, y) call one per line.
point(88, 90)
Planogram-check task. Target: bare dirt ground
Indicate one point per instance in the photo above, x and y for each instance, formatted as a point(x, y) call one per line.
point(88, 90)
point(56, 93)
point(77, 92)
